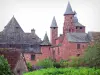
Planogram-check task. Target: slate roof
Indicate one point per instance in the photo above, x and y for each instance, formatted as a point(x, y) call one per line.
point(76, 23)
point(11, 55)
point(45, 41)
point(13, 34)
point(94, 36)
point(54, 23)
point(78, 37)
point(69, 10)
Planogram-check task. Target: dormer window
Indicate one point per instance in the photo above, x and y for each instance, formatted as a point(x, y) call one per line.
point(33, 37)
point(17, 27)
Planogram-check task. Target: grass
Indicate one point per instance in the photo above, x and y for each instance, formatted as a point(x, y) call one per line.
point(66, 71)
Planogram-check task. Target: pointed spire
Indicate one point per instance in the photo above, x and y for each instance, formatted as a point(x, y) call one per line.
point(45, 40)
point(54, 23)
point(69, 10)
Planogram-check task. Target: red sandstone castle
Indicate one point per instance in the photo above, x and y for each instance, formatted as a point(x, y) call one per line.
point(72, 42)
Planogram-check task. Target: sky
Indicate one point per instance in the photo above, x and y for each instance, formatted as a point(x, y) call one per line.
point(38, 14)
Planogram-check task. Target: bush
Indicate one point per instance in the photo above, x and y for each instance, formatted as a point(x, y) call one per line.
point(46, 63)
point(57, 64)
point(66, 71)
point(75, 62)
point(29, 66)
point(63, 63)
point(4, 67)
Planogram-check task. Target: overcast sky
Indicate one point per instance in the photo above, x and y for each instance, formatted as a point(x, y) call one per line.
point(38, 14)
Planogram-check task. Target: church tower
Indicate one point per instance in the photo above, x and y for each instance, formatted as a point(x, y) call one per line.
point(53, 31)
point(68, 18)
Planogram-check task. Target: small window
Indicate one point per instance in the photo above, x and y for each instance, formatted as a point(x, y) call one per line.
point(32, 57)
point(76, 27)
point(80, 27)
point(54, 28)
point(69, 30)
point(78, 46)
point(78, 55)
point(18, 71)
point(58, 51)
point(31, 46)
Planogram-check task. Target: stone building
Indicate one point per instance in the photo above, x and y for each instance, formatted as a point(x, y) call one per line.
point(72, 42)
point(15, 60)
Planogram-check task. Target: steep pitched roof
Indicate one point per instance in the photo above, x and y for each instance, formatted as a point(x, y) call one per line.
point(54, 23)
point(69, 10)
point(45, 40)
point(75, 21)
point(78, 37)
point(12, 26)
point(11, 55)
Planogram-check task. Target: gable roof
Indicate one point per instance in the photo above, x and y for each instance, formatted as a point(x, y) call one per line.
point(13, 34)
point(69, 10)
point(78, 37)
point(54, 23)
point(45, 40)
point(12, 26)
point(12, 56)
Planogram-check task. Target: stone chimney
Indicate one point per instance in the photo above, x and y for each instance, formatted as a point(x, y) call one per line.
point(33, 31)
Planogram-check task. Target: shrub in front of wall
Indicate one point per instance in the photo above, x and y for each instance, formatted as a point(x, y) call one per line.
point(46, 63)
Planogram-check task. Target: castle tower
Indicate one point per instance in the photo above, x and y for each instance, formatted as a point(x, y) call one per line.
point(53, 31)
point(68, 17)
point(45, 47)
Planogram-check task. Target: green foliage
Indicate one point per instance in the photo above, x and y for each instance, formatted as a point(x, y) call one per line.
point(56, 65)
point(66, 71)
point(63, 63)
point(92, 56)
point(75, 62)
point(46, 63)
point(29, 66)
point(4, 67)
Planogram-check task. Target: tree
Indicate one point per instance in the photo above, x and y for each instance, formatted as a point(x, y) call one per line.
point(92, 55)
point(4, 67)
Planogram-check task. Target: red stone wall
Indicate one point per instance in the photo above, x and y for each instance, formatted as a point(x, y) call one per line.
point(28, 58)
point(69, 49)
point(45, 53)
point(68, 25)
point(53, 35)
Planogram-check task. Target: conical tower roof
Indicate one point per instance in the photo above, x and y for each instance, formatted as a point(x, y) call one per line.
point(13, 26)
point(54, 23)
point(69, 10)
point(45, 40)
point(76, 22)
